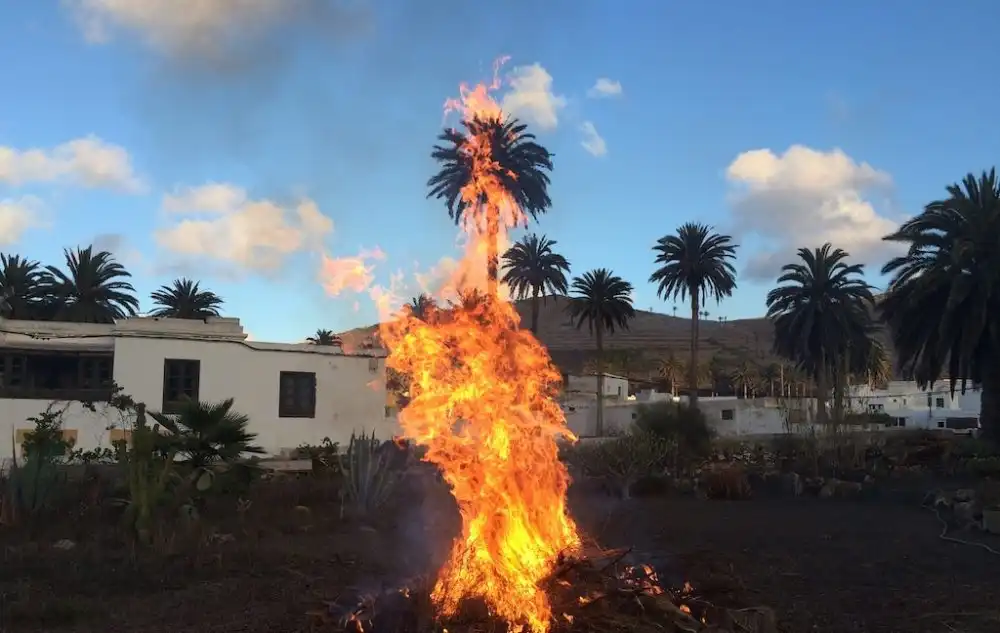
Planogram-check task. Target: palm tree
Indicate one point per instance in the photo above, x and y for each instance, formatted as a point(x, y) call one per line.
point(93, 290)
point(495, 162)
point(603, 301)
point(820, 313)
point(203, 433)
point(942, 302)
point(745, 377)
point(695, 263)
point(421, 306)
point(535, 270)
point(771, 374)
point(324, 337)
point(184, 299)
point(23, 287)
point(670, 369)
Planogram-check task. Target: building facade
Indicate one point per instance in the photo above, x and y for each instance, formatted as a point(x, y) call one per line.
point(293, 393)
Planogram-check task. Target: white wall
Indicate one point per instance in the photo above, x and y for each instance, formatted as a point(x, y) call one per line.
point(614, 386)
point(350, 390)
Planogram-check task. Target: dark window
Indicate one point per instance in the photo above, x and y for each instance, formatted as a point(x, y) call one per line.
point(728, 414)
point(180, 383)
point(39, 375)
point(297, 394)
point(939, 403)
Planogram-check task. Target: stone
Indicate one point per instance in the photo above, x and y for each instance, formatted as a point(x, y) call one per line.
point(828, 489)
point(792, 483)
point(64, 544)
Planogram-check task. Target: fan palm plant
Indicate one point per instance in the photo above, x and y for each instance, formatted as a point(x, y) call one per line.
point(495, 162)
point(603, 301)
point(203, 433)
point(93, 289)
point(535, 270)
point(944, 297)
point(821, 310)
point(694, 263)
point(24, 286)
point(184, 299)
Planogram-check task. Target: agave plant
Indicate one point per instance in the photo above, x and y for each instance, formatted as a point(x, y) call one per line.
point(369, 477)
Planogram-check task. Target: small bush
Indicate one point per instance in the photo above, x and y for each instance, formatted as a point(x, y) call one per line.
point(623, 461)
point(681, 426)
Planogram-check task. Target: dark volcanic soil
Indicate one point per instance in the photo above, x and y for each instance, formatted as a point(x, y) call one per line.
point(829, 566)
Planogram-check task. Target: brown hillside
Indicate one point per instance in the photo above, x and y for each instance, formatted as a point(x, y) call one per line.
point(653, 333)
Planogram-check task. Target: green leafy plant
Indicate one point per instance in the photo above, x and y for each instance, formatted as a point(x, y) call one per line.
point(149, 469)
point(369, 478)
point(682, 427)
point(622, 461)
point(206, 433)
point(46, 440)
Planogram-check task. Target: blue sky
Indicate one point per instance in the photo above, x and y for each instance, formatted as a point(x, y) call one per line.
point(784, 124)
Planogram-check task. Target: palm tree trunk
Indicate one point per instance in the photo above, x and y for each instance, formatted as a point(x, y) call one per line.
point(693, 368)
point(535, 308)
point(492, 249)
point(599, 337)
point(989, 411)
point(838, 390)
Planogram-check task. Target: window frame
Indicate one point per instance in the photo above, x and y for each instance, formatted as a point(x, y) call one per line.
point(730, 412)
point(171, 406)
point(93, 361)
point(291, 408)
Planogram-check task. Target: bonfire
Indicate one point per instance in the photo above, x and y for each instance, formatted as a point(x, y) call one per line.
point(483, 405)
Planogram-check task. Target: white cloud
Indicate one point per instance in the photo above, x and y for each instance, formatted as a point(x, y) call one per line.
point(592, 141)
point(202, 27)
point(88, 162)
point(224, 224)
point(605, 88)
point(17, 215)
point(531, 99)
point(806, 197)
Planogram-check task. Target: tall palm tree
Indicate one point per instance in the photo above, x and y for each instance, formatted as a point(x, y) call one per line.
point(495, 161)
point(821, 310)
point(603, 301)
point(324, 337)
point(694, 263)
point(23, 287)
point(184, 299)
point(745, 377)
point(535, 270)
point(421, 306)
point(942, 302)
point(93, 288)
point(770, 374)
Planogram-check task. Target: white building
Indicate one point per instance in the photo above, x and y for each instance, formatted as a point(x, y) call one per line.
point(292, 393)
point(584, 387)
point(913, 407)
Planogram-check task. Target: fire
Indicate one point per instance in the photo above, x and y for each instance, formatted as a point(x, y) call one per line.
point(482, 402)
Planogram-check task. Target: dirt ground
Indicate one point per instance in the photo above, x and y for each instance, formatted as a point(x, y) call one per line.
point(827, 566)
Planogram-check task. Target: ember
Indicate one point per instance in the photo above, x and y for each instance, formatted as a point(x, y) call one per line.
point(598, 593)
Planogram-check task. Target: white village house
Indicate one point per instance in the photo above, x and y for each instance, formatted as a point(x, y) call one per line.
point(292, 393)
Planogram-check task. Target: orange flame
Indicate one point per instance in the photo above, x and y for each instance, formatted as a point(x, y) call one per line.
point(482, 402)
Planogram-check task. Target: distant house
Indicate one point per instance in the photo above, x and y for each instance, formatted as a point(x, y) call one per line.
point(584, 387)
point(293, 393)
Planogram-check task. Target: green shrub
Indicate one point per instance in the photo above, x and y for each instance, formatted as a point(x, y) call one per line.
point(622, 461)
point(682, 427)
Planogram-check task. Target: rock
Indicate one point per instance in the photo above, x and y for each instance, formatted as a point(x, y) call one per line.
point(848, 488)
point(965, 512)
point(792, 483)
point(963, 495)
point(828, 489)
point(64, 544)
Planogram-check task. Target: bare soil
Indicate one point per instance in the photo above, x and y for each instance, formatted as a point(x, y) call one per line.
point(828, 566)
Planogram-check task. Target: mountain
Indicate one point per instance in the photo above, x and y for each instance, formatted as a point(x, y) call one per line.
point(651, 333)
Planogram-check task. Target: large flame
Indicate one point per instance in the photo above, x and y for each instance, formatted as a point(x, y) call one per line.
point(483, 403)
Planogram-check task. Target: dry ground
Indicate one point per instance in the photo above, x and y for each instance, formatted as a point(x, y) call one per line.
point(828, 566)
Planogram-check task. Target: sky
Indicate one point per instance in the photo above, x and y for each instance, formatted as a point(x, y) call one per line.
point(244, 143)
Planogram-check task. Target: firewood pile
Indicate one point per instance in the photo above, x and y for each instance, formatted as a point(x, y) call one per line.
point(597, 593)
